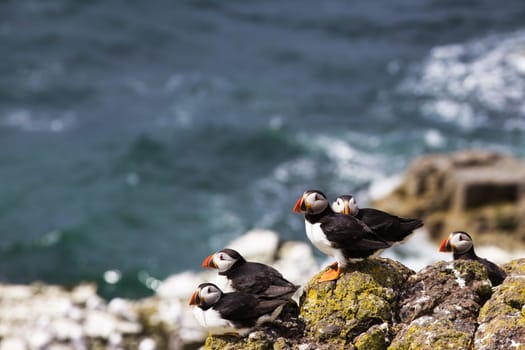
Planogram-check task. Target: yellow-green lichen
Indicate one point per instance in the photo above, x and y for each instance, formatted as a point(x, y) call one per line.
point(431, 334)
point(373, 339)
point(364, 295)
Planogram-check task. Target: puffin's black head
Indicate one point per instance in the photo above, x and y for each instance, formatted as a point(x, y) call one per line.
point(311, 202)
point(345, 204)
point(206, 295)
point(458, 242)
point(224, 260)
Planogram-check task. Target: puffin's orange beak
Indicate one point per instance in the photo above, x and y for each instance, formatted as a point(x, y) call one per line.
point(445, 245)
point(209, 263)
point(298, 206)
point(194, 299)
point(346, 209)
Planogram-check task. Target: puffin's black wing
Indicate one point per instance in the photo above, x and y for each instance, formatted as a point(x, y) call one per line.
point(351, 235)
point(262, 280)
point(389, 227)
point(495, 273)
point(244, 309)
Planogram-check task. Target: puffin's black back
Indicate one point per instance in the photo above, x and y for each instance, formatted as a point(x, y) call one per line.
point(244, 309)
point(351, 235)
point(260, 279)
point(389, 227)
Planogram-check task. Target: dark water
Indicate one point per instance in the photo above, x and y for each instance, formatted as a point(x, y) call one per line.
point(138, 136)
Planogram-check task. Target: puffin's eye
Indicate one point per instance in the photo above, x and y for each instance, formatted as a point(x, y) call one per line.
point(221, 257)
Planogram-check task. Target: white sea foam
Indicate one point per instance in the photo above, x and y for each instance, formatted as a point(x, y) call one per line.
point(470, 83)
point(349, 162)
point(26, 121)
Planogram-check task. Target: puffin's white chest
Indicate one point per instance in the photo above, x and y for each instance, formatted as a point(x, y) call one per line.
point(318, 238)
point(224, 284)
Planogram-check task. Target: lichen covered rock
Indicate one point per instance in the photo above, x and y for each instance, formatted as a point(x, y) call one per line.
point(342, 312)
point(502, 318)
point(439, 305)
point(354, 312)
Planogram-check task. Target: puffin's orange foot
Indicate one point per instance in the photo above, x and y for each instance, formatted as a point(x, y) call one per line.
point(330, 275)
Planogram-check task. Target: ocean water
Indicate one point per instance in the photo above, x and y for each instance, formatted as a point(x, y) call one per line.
point(136, 137)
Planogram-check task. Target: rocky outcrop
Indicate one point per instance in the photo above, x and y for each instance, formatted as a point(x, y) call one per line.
point(376, 304)
point(439, 305)
point(357, 309)
point(480, 192)
point(380, 304)
point(41, 316)
point(502, 318)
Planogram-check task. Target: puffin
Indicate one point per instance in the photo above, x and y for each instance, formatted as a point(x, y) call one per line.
point(250, 277)
point(462, 247)
point(343, 237)
point(391, 228)
point(234, 313)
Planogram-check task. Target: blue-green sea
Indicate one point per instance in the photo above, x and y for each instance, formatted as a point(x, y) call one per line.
point(138, 136)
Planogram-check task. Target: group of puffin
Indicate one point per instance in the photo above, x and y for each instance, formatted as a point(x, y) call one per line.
point(256, 293)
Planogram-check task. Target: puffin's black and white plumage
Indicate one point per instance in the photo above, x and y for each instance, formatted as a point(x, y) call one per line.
point(341, 236)
point(250, 277)
point(232, 313)
point(391, 228)
point(462, 247)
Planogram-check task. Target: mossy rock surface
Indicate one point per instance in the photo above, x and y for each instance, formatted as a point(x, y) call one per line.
point(439, 306)
point(431, 333)
point(379, 304)
point(502, 318)
point(337, 312)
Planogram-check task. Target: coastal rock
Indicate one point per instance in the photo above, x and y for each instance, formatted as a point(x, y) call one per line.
point(45, 316)
point(342, 312)
point(354, 312)
point(377, 304)
point(481, 192)
point(438, 306)
point(502, 318)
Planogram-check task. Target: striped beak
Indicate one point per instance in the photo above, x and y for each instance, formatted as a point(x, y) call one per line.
point(445, 245)
point(346, 208)
point(209, 262)
point(194, 299)
point(300, 206)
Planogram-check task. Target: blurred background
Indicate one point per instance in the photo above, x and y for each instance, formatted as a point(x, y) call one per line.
point(136, 137)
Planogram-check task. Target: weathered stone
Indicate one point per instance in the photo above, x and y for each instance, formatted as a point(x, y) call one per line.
point(502, 318)
point(375, 338)
point(439, 306)
point(479, 190)
point(376, 304)
point(339, 312)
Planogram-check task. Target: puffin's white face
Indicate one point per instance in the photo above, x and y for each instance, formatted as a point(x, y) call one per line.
point(345, 204)
point(460, 242)
point(223, 261)
point(209, 294)
point(312, 202)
